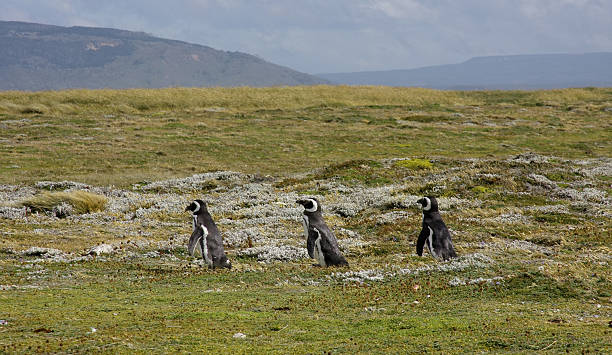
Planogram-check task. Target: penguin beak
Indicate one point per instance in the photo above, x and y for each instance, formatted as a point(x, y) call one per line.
point(187, 208)
point(301, 202)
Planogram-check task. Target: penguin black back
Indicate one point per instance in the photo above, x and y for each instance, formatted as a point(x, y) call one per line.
point(321, 242)
point(206, 236)
point(434, 233)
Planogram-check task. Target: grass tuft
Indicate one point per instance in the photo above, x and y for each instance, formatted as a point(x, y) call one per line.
point(415, 164)
point(80, 201)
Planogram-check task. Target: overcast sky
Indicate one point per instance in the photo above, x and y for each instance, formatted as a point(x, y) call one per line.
point(320, 36)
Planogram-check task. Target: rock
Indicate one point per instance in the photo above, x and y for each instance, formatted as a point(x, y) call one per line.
point(101, 249)
point(44, 252)
point(62, 211)
point(239, 336)
point(12, 212)
point(61, 185)
point(529, 158)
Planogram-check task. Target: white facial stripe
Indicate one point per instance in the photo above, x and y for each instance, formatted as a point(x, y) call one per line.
point(198, 208)
point(314, 206)
point(428, 206)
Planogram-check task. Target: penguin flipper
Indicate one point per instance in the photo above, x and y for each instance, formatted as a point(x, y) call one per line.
point(310, 241)
point(421, 241)
point(196, 236)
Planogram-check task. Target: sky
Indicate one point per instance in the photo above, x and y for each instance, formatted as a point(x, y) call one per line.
point(326, 36)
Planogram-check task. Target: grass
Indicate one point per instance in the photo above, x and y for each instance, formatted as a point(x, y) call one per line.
point(184, 131)
point(367, 152)
point(414, 164)
point(81, 201)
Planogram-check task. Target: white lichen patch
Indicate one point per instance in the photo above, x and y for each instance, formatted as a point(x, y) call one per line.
point(192, 183)
point(9, 193)
point(12, 212)
point(61, 185)
point(511, 218)
point(20, 287)
point(587, 194)
point(549, 209)
point(597, 168)
point(528, 158)
point(393, 216)
point(501, 246)
point(43, 252)
point(457, 281)
point(543, 181)
point(476, 260)
point(102, 249)
point(269, 254)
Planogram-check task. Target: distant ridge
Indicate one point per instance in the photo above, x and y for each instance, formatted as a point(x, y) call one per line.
point(546, 71)
point(45, 57)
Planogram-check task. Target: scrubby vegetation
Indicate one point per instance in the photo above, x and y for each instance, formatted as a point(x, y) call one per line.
point(524, 186)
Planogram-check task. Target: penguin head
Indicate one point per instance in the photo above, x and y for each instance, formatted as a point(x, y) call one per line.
point(196, 207)
point(311, 205)
point(429, 204)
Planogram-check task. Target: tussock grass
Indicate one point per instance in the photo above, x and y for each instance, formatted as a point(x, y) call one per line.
point(81, 201)
point(233, 99)
point(122, 137)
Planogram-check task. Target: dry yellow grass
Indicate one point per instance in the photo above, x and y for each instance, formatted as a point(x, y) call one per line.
point(180, 99)
point(81, 201)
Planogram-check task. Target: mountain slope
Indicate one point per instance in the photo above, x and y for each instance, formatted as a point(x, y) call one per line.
point(44, 57)
point(497, 72)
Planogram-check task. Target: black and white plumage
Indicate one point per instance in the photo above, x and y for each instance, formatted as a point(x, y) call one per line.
point(434, 234)
point(320, 241)
point(206, 238)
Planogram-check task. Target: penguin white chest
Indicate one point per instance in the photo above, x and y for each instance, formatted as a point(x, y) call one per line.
point(204, 245)
point(318, 252)
point(430, 243)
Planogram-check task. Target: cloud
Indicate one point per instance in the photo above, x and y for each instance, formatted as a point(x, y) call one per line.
point(347, 35)
point(402, 9)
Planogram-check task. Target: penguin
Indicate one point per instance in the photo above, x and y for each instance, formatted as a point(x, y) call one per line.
point(434, 234)
point(206, 237)
point(320, 241)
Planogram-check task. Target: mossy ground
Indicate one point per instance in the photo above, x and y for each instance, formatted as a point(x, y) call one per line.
point(542, 220)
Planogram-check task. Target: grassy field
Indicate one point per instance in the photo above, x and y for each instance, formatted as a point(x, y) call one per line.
point(524, 181)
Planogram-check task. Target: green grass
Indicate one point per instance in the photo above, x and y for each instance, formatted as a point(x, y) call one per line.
point(182, 131)
point(414, 164)
point(555, 293)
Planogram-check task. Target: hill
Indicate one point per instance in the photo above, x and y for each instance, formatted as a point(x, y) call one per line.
point(43, 57)
point(549, 71)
